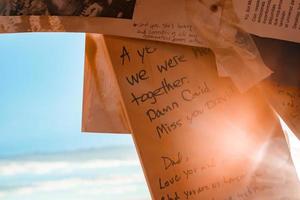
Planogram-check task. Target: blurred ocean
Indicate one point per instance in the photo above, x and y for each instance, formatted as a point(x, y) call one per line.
point(106, 173)
point(43, 153)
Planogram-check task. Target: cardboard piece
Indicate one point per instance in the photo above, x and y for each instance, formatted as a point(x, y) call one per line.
point(196, 135)
point(102, 108)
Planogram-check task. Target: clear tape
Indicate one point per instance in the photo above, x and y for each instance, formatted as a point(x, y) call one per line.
point(236, 53)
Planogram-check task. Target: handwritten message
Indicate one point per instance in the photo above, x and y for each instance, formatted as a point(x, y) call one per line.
point(181, 33)
point(196, 135)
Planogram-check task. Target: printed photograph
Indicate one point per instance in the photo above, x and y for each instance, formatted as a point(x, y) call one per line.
point(89, 8)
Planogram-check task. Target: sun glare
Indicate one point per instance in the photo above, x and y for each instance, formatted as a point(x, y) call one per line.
point(294, 145)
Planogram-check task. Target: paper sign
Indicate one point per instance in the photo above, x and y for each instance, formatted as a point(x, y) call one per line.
point(283, 61)
point(270, 18)
point(196, 135)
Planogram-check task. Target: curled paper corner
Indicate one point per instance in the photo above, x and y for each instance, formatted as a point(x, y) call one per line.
point(285, 101)
point(236, 53)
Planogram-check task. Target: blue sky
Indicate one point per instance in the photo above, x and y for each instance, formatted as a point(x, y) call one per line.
point(43, 154)
point(41, 79)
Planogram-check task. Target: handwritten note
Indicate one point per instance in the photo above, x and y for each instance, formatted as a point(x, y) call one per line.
point(196, 135)
point(181, 33)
